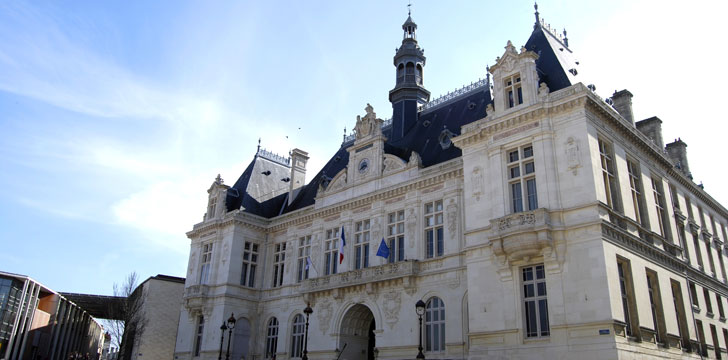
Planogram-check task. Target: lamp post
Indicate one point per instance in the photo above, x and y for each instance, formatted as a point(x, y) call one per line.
point(222, 337)
point(231, 326)
point(420, 309)
point(308, 312)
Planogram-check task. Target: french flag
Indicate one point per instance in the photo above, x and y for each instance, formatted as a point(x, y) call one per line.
point(342, 243)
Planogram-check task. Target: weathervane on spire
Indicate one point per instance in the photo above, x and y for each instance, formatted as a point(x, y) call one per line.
point(538, 21)
point(409, 8)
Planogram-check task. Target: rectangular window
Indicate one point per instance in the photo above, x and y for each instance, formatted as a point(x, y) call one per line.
point(658, 316)
point(701, 338)
point(725, 337)
point(683, 242)
point(211, 207)
point(693, 295)
point(279, 261)
point(513, 90)
point(722, 263)
point(611, 190)
point(673, 196)
point(250, 262)
point(682, 320)
point(708, 303)
point(331, 253)
point(698, 252)
point(198, 335)
point(719, 301)
point(535, 305)
point(716, 343)
point(361, 243)
point(522, 176)
point(629, 307)
point(434, 242)
point(711, 262)
point(635, 184)
point(304, 252)
point(657, 191)
point(205, 260)
point(395, 236)
point(689, 206)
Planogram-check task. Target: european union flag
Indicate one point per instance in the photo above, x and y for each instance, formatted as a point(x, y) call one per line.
point(383, 250)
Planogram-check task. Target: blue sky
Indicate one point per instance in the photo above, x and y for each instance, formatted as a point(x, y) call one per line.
point(115, 116)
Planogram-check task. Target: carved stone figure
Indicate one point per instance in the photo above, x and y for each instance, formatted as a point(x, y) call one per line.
point(489, 110)
point(452, 215)
point(365, 126)
point(543, 90)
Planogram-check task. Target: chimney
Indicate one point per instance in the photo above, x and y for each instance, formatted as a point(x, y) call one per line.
point(298, 173)
point(677, 152)
point(652, 128)
point(622, 101)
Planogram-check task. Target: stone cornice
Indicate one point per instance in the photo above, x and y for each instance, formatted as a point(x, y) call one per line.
point(238, 217)
point(610, 116)
point(624, 239)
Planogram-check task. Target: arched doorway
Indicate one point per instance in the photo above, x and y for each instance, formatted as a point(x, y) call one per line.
point(356, 336)
point(241, 340)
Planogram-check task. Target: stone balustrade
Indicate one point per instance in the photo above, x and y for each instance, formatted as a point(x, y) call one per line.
point(398, 270)
point(521, 235)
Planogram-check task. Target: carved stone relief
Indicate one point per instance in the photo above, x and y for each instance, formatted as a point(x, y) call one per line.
point(543, 91)
point(452, 215)
point(414, 160)
point(191, 268)
point(476, 180)
point(339, 181)
point(573, 155)
point(392, 164)
point(324, 309)
point(392, 303)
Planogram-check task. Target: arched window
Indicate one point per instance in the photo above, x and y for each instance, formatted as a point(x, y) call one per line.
point(297, 336)
point(418, 74)
point(410, 69)
point(400, 73)
point(435, 325)
point(271, 339)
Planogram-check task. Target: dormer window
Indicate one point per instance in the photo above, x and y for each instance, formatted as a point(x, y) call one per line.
point(514, 93)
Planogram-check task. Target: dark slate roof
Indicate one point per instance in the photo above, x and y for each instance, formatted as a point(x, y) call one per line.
point(238, 196)
point(554, 59)
point(553, 65)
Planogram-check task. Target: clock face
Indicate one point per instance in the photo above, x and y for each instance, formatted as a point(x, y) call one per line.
point(364, 166)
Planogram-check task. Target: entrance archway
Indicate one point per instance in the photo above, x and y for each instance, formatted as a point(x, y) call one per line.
point(241, 340)
point(356, 336)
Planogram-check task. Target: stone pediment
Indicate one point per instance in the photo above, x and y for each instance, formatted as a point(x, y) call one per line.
point(369, 125)
point(511, 59)
point(392, 164)
point(338, 182)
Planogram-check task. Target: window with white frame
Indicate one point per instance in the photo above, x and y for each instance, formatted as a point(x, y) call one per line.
point(361, 243)
point(205, 260)
point(635, 185)
point(297, 336)
point(395, 236)
point(535, 305)
point(435, 325)
point(434, 234)
point(250, 263)
point(659, 195)
point(611, 189)
point(198, 334)
point(522, 179)
point(331, 252)
point(304, 251)
point(513, 90)
point(271, 339)
point(279, 261)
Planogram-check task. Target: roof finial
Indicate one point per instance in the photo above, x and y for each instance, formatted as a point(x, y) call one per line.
point(566, 40)
point(538, 20)
point(409, 8)
point(258, 146)
point(344, 133)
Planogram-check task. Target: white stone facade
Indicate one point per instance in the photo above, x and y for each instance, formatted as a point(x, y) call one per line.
point(573, 233)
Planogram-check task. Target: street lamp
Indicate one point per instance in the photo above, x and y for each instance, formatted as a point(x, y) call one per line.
point(308, 311)
point(231, 326)
point(420, 308)
point(222, 337)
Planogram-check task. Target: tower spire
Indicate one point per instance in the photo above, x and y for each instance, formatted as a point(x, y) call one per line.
point(538, 19)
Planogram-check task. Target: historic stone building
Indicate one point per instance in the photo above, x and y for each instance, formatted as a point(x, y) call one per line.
point(532, 217)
